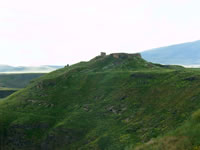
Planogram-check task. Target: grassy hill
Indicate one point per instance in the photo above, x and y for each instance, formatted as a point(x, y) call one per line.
point(182, 54)
point(113, 102)
point(185, 137)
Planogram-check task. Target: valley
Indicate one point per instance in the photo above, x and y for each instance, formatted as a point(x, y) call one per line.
point(10, 83)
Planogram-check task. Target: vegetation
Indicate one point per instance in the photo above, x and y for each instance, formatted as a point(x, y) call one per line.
point(10, 83)
point(186, 137)
point(115, 102)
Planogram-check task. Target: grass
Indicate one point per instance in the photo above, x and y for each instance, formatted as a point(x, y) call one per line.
point(185, 137)
point(107, 103)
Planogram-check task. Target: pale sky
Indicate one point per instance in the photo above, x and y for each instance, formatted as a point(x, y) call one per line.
point(59, 32)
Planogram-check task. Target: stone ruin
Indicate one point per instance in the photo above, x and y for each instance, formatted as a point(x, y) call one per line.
point(103, 54)
point(124, 55)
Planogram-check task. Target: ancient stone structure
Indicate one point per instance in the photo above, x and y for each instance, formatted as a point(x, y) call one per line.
point(138, 55)
point(116, 55)
point(103, 54)
point(124, 55)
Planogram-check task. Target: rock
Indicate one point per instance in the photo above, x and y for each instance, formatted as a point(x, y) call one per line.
point(124, 108)
point(127, 120)
point(32, 101)
point(111, 109)
point(86, 107)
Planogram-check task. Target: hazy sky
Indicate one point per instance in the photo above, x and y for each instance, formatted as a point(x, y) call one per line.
point(58, 32)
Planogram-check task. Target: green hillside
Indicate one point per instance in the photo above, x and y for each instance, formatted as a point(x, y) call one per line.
point(112, 102)
point(185, 137)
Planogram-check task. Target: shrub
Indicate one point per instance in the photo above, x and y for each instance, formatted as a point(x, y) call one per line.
point(196, 116)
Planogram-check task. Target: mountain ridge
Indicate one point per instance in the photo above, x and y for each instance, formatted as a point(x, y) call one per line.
point(179, 54)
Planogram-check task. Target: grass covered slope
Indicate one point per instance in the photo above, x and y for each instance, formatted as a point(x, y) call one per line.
point(109, 103)
point(185, 137)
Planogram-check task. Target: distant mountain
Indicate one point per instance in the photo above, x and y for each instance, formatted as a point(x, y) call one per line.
point(181, 54)
point(22, 69)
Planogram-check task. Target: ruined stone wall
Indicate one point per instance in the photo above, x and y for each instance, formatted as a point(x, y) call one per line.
point(124, 55)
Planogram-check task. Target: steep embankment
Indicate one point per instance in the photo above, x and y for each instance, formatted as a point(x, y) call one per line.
point(112, 102)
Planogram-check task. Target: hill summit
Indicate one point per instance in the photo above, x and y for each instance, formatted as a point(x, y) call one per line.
point(118, 61)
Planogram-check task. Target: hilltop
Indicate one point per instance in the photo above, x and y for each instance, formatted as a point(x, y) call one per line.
point(112, 102)
point(187, 54)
